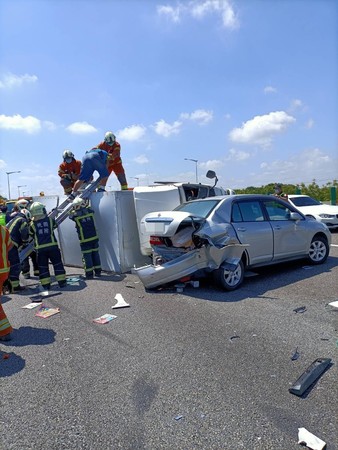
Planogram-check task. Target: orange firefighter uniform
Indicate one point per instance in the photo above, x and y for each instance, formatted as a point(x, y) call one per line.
point(5, 245)
point(115, 162)
point(69, 173)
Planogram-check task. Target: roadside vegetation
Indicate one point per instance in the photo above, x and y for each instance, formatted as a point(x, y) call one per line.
point(321, 193)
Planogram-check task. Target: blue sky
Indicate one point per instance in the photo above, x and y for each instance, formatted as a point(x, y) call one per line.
point(249, 88)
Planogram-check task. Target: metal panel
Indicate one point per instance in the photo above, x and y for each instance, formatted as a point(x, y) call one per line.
point(117, 229)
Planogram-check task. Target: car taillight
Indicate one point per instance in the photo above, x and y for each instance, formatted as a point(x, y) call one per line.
point(154, 240)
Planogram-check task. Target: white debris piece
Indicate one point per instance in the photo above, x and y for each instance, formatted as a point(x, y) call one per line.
point(121, 303)
point(310, 440)
point(335, 304)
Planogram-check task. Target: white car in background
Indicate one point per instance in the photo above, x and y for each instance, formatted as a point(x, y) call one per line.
point(312, 208)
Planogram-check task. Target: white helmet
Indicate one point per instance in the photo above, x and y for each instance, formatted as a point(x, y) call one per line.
point(38, 210)
point(79, 203)
point(26, 213)
point(109, 138)
point(67, 154)
point(21, 204)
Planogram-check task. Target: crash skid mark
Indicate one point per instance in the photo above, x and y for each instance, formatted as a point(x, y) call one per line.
point(209, 257)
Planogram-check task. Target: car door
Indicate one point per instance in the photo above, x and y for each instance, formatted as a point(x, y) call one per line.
point(289, 236)
point(252, 227)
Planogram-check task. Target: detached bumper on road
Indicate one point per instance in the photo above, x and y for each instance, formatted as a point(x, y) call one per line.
point(209, 257)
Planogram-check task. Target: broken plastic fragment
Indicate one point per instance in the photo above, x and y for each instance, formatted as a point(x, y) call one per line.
point(310, 376)
point(234, 337)
point(301, 309)
point(335, 304)
point(179, 417)
point(295, 355)
point(310, 440)
point(121, 303)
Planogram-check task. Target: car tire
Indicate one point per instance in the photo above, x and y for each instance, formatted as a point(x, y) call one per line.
point(319, 250)
point(229, 280)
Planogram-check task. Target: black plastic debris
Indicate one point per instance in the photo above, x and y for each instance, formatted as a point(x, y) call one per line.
point(310, 376)
point(295, 355)
point(234, 337)
point(301, 309)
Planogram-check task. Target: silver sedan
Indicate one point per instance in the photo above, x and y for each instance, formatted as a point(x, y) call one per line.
point(226, 235)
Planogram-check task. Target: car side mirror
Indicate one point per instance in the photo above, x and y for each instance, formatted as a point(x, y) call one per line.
point(212, 174)
point(295, 216)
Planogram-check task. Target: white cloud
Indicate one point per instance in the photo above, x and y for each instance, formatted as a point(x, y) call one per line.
point(49, 125)
point(309, 124)
point(11, 81)
point(81, 128)
point(200, 116)
point(166, 129)
point(28, 124)
point(198, 9)
point(2, 164)
point(270, 90)
point(261, 129)
point(141, 159)
point(212, 164)
point(132, 133)
point(170, 12)
point(303, 167)
point(296, 104)
point(237, 155)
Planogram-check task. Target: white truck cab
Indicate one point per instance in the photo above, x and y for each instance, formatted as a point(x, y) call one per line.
point(166, 195)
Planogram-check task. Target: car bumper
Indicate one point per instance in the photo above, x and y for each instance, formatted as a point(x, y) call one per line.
point(209, 257)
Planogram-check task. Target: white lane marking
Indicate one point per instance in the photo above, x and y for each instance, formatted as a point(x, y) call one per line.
point(334, 245)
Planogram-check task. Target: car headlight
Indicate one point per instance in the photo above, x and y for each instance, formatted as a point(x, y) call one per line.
point(326, 216)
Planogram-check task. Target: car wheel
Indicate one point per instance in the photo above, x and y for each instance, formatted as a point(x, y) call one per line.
point(230, 280)
point(319, 250)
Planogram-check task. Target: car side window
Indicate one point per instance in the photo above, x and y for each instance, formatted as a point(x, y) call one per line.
point(249, 211)
point(277, 211)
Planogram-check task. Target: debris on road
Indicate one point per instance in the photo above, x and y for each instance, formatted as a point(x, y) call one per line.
point(31, 305)
point(295, 355)
point(45, 312)
point(104, 319)
point(310, 440)
point(300, 309)
point(73, 280)
point(179, 417)
point(234, 337)
point(334, 304)
point(121, 303)
point(310, 376)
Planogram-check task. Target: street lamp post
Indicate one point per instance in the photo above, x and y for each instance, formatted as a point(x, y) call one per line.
point(195, 161)
point(21, 185)
point(9, 188)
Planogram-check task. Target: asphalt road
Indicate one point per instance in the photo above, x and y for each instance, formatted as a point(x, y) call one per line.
point(200, 369)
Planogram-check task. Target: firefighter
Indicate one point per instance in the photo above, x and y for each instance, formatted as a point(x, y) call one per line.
point(83, 216)
point(279, 192)
point(69, 171)
point(3, 210)
point(46, 246)
point(18, 206)
point(25, 265)
point(5, 246)
point(110, 145)
point(93, 160)
point(18, 228)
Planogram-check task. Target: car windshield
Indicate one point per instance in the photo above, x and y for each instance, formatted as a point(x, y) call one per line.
point(304, 201)
point(200, 209)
